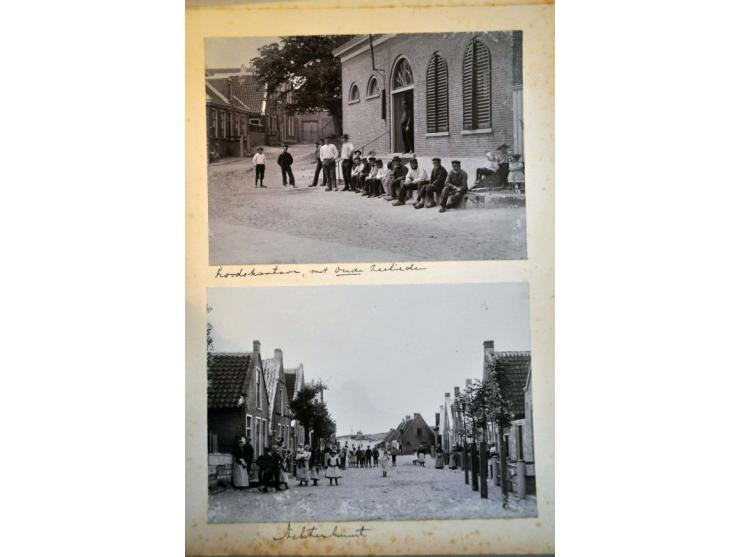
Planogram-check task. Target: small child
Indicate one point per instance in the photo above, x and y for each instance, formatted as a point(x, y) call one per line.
point(384, 460)
point(516, 173)
point(259, 167)
point(284, 161)
point(481, 173)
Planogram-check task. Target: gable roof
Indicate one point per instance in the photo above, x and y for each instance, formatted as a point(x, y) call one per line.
point(227, 379)
point(271, 369)
point(246, 92)
point(516, 367)
point(294, 380)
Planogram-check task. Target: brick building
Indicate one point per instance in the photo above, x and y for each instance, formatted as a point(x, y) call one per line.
point(294, 382)
point(412, 434)
point(519, 438)
point(237, 401)
point(235, 111)
point(278, 399)
point(465, 91)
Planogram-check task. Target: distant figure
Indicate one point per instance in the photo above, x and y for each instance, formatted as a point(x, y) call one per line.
point(259, 160)
point(332, 468)
point(376, 455)
point(420, 457)
point(368, 457)
point(481, 173)
point(516, 173)
point(315, 465)
point(277, 469)
point(384, 463)
point(407, 128)
point(346, 156)
point(416, 178)
point(240, 464)
point(266, 469)
point(285, 160)
point(439, 461)
point(303, 458)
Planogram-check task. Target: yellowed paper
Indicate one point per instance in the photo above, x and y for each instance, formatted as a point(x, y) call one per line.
point(534, 535)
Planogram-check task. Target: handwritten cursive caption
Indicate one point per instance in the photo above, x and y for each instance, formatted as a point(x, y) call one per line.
point(335, 270)
point(306, 532)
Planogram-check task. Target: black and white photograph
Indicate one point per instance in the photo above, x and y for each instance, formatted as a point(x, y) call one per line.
point(357, 148)
point(390, 402)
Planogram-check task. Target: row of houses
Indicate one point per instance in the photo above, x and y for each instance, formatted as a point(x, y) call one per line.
point(241, 116)
point(518, 439)
point(250, 396)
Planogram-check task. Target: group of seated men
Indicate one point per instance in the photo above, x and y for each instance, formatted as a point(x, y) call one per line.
point(396, 182)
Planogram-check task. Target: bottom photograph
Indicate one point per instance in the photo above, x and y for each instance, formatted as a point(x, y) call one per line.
point(391, 402)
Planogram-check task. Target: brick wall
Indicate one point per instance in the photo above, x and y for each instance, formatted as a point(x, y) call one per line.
point(362, 120)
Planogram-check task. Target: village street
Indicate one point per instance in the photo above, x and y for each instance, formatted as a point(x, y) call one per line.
point(309, 225)
point(409, 493)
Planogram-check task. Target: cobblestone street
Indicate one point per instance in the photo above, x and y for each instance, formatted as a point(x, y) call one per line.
point(409, 493)
point(309, 225)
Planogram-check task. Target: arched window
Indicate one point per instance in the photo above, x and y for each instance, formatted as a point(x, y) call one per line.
point(373, 88)
point(476, 86)
point(402, 75)
point(437, 96)
point(354, 93)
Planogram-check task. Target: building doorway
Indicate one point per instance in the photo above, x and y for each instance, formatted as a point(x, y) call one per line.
point(402, 112)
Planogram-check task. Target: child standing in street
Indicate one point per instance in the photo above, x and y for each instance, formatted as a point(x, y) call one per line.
point(284, 161)
point(259, 160)
point(384, 460)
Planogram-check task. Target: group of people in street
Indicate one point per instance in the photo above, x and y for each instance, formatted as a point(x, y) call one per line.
point(394, 181)
point(274, 464)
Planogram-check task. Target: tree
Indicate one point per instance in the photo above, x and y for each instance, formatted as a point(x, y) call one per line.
point(312, 413)
point(312, 74)
point(497, 386)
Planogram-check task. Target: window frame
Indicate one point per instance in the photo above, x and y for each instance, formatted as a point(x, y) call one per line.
point(475, 114)
point(353, 87)
point(368, 94)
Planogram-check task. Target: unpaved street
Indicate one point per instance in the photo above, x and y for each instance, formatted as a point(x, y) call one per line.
point(409, 493)
point(310, 225)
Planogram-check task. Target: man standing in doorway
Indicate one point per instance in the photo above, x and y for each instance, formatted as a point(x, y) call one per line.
point(407, 128)
point(329, 154)
point(347, 149)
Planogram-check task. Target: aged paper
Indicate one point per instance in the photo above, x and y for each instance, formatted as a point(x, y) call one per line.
point(531, 535)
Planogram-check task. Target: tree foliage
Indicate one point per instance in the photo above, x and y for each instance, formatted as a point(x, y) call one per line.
point(306, 65)
point(312, 413)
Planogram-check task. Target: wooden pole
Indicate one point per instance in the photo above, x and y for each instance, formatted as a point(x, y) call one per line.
point(474, 458)
point(502, 467)
point(484, 470)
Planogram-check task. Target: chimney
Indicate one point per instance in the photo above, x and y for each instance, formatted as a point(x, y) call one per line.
point(468, 383)
point(408, 417)
point(488, 347)
point(278, 355)
point(256, 346)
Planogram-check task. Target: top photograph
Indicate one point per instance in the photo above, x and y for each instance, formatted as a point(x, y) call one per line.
point(365, 148)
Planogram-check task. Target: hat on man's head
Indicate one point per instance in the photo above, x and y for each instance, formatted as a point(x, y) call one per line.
point(503, 147)
point(396, 158)
point(436, 159)
point(371, 154)
point(371, 159)
point(345, 136)
point(414, 161)
point(379, 162)
point(455, 162)
point(516, 157)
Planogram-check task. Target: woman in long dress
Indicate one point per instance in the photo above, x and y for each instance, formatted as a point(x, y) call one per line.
point(332, 468)
point(303, 457)
point(239, 475)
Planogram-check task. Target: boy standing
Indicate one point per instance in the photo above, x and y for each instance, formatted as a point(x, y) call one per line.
point(259, 167)
point(284, 161)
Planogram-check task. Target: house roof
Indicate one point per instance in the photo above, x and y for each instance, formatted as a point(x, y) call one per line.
point(271, 369)
point(294, 380)
point(246, 92)
point(227, 379)
point(516, 366)
point(290, 384)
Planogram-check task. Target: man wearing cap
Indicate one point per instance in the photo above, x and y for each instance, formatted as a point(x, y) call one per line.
point(346, 156)
point(393, 180)
point(455, 188)
point(416, 177)
point(329, 154)
point(436, 184)
point(503, 165)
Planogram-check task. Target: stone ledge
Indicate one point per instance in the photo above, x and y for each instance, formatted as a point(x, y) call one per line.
point(486, 199)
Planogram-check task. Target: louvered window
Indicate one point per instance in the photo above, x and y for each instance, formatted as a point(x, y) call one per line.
point(437, 97)
point(476, 86)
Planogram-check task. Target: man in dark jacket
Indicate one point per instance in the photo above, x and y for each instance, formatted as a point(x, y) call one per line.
point(376, 456)
point(265, 472)
point(398, 175)
point(284, 161)
point(277, 466)
point(249, 455)
point(455, 188)
point(436, 184)
point(369, 457)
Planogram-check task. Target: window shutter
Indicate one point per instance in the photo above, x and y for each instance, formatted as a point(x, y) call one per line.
point(482, 85)
point(442, 95)
point(432, 95)
point(468, 120)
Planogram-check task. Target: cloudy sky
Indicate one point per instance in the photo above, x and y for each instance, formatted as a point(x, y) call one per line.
point(232, 52)
point(385, 351)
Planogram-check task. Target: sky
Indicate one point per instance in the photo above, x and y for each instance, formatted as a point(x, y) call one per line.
point(232, 52)
point(385, 351)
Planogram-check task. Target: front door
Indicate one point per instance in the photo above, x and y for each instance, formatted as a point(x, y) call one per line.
point(399, 99)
